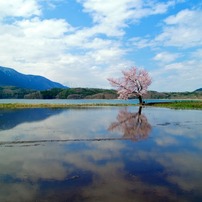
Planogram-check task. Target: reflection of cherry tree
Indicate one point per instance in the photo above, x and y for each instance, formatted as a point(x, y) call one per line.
point(134, 126)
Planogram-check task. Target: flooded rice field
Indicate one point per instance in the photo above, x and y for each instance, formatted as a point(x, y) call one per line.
point(101, 154)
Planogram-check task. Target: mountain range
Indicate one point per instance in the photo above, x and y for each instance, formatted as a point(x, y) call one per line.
point(10, 77)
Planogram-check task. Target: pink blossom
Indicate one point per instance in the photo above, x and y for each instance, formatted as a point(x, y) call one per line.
point(133, 83)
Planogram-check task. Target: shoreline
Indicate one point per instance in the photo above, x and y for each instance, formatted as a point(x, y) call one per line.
point(188, 104)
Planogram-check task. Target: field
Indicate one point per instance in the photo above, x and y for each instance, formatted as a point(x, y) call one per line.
point(179, 104)
point(174, 105)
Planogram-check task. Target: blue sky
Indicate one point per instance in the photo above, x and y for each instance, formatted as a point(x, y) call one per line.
point(81, 43)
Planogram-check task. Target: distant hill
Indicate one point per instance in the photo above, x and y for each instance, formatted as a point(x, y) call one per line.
point(86, 93)
point(10, 77)
point(173, 95)
point(200, 89)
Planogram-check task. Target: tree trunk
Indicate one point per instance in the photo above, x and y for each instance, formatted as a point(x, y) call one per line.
point(140, 99)
point(140, 110)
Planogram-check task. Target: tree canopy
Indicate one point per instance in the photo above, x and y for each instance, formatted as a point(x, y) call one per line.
point(133, 83)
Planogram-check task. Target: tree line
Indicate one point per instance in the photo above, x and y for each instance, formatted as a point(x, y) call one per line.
point(11, 92)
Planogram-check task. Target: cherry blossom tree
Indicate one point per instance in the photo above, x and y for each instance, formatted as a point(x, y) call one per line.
point(134, 83)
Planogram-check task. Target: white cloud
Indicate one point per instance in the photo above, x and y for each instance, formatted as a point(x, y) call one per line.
point(71, 55)
point(91, 69)
point(112, 16)
point(184, 75)
point(141, 42)
point(52, 28)
point(19, 8)
point(59, 51)
point(181, 33)
point(182, 30)
point(32, 41)
point(166, 57)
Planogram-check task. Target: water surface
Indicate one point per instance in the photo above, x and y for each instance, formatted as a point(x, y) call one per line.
point(80, 101)
point(101, 154)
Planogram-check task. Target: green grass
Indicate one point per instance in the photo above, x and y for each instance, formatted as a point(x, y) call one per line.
point(21, 105)
point(179, 105)
point(174, 105)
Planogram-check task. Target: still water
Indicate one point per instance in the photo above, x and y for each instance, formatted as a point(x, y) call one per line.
point(100, 154)
point(81, 101)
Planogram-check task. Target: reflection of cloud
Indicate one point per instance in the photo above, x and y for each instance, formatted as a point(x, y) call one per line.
point(160, 168)
point(165, 141)
point(18, 192)
point(186, 169)
point(133, 125)
point(69, 124)
point(110, 181)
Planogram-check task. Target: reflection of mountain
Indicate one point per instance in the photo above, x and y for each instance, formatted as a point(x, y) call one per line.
point(134, 126)
point(11, 118)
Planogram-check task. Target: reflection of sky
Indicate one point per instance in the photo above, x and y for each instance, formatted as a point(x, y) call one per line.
point(71, 124)
point(165, 166)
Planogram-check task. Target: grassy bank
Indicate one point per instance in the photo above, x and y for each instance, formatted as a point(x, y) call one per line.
point(174, 105)
point(179, 104)
point(23, 106)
